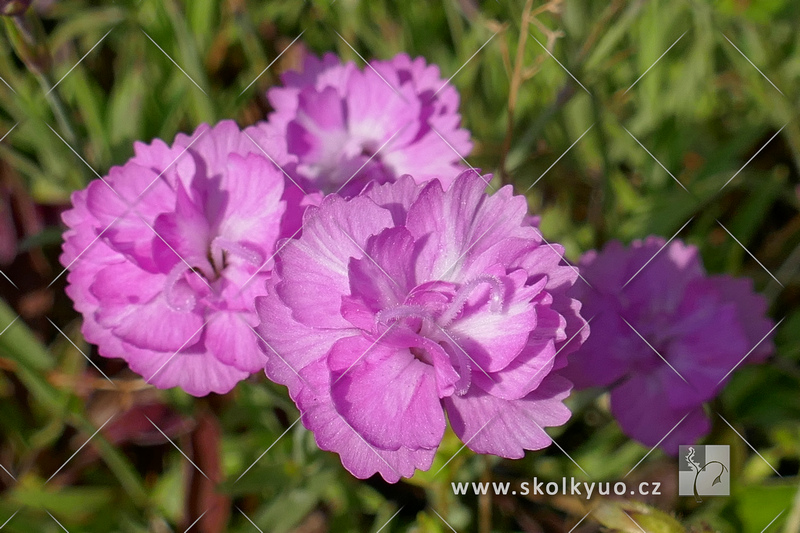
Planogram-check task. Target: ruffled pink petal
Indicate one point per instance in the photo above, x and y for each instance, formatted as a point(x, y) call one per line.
point(379, 113)
point(385, 274)
point(385, 394)
point(639, 407)
point(232, 341)
point(523, 375)
point(151, 325)
point(396, 197)
point(751, 309)
point(664, 279)
point(124, 221)
point(214, 145)
point(333, 433)
point(252, 188)
point(707, 339)
point(460, 225)
point(182, 234)
point(507, 428)
point(495, 337)
point(291, 346)
point(191, 370)
point(319, 73)
point(433, 156)
point(318, 132)
point(318, 264)
point(609, 353)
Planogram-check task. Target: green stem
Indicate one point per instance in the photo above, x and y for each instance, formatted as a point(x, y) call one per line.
point(58, 107)
point(602, 199)
point(27, 36)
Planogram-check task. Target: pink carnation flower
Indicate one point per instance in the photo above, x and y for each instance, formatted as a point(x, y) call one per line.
point(703, 327)
point(346, 126)
point(168, 253)
point(407, 303)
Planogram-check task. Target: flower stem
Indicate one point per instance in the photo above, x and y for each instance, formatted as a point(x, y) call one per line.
point(27, 37)
point(485, 500)
point(58, 107)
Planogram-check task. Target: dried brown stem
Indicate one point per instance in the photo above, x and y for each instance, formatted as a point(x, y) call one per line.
point(520, 72)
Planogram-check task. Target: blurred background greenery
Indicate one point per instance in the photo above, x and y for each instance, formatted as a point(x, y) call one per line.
point(562, 103)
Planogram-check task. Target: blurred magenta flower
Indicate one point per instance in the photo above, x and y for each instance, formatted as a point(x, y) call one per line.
point(344, 126)
point(407, 302)
point(698, 327)
point(14, 7)
point(168, 252)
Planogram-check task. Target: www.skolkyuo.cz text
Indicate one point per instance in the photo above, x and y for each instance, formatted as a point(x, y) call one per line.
point(567, 486)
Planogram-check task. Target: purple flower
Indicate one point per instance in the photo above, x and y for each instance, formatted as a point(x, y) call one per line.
point(345, 126)
point(406, 303)
point(665, 336)
point(168, 252)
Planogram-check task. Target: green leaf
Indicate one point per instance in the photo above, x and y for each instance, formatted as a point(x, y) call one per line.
point(633, 517)
point(19, 344)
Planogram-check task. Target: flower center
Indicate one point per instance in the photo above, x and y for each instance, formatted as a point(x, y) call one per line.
point(221, 248)
point(467, 290)
point(438, 345)
point(180, 294)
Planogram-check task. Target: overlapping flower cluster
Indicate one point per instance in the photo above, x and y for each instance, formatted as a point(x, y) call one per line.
point(342, 246)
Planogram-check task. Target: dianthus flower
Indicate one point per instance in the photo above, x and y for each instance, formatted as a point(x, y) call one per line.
point(167, 253)
point(406, 303)
point(344, 126)
point(665, 336)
